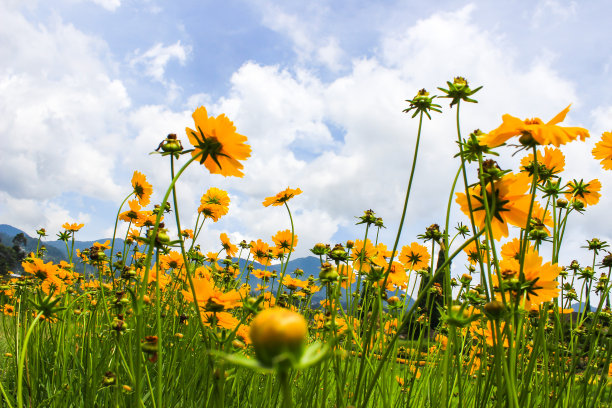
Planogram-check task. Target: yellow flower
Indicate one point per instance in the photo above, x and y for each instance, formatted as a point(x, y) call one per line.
point(537, 283)
point(277, 331)
point(285, 241)
point(214, 204)
point(212, 299)
point(587, 193)
point(414, 256)
point(549, 164)
point(511, 250)
point(260, 250)
point(142, 189)
point(534, 130)
point(230, 249)
point(603, 150)
point(511, 203)
point(294, 283)
point(261, 274)
point(174, 260)
point(282, 197)
point(220, 319)
point(72, 227)
point(476, 252)
point(133, 213)
point(220, 146)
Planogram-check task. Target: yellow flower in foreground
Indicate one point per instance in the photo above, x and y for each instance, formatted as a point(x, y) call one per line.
point(511, 203)
point(72, 227)
point(142, 188)
point(282, 197)
point(277, 331)
point(603, 150)
point(220, 146)
point(534, 130)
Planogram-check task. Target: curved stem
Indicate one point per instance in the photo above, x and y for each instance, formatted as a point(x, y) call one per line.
point(22, 357)
point(286, 262)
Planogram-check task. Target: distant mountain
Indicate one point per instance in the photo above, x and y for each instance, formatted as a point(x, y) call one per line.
point(9, 230)
point(580, 307)
point(56, 249)
point(56, 252)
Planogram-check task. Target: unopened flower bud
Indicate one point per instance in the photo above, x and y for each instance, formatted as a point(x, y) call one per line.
point(276, 331)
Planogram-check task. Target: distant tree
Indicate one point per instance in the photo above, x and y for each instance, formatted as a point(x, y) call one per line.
point(8, 259)
point(19, 244)
point(11, 257)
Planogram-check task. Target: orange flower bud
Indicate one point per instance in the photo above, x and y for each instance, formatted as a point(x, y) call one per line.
point(276, 331)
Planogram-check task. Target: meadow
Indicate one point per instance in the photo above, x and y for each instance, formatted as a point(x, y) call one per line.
point(163, 322)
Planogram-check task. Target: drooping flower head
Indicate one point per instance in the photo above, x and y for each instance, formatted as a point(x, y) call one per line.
point(282, 197)
point(603, 150)
point(142, 189)
point(508, 203)
point(230, 249)
point(535, 131)
point(220, 146)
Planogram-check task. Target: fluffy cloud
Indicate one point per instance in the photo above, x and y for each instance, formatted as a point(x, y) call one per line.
point(61, 115)
point(343, 140)
point(155, 59)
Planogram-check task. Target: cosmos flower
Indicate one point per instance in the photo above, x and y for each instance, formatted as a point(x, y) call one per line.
point(534, 131)
point(74, 227)
point(603, 150)
point(230, 249)
point(536, 285)
point(587, 193)
point(414, 256)
point(260, 250)
point(142, 189)
point(285, 241)
point(220, 146)
point(133, 213)
point(282, 197)
point(549, 164)
point(511, 203)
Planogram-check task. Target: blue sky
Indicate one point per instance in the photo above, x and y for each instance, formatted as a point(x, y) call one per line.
point(89, 88)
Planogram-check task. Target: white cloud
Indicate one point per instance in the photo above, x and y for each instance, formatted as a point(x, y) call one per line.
point(546, 9)
point(308, 43)
point(110, 5)
point(156, 58)
point(61, 115)
point(344, 141)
